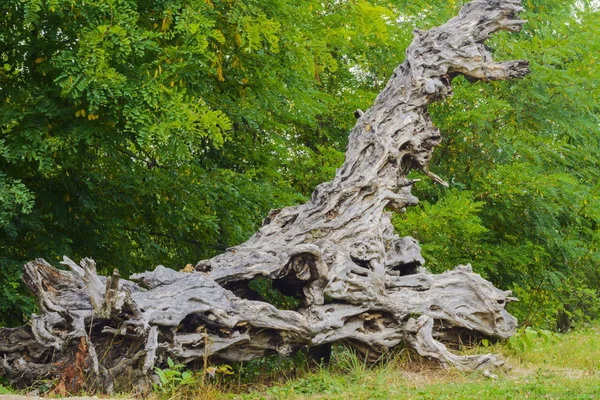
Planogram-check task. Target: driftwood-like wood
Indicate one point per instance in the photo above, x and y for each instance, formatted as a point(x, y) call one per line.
point(357, 281)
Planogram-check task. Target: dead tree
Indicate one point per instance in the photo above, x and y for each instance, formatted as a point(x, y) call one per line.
point(356, 280)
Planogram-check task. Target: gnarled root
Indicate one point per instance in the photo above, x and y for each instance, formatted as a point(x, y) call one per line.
point(418, 334)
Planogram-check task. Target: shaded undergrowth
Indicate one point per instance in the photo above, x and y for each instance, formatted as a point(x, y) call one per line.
point(538, 366)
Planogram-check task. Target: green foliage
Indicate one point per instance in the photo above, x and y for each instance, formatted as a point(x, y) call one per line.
point(529, 338)
point(450, 230)
point(141, 132)
point(172, 378)
point(5, 390)
point(267, 369)
point(522, 160)
point(176, 381)
point(264, 287)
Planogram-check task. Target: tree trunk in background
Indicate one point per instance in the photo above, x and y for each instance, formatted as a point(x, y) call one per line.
point(356, 281)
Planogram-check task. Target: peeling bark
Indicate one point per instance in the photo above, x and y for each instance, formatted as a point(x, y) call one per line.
point(358, 282)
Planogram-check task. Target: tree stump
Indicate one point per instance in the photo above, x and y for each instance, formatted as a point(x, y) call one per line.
point(355, 279)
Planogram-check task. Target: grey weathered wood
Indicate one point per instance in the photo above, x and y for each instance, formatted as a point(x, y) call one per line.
point(358, 281)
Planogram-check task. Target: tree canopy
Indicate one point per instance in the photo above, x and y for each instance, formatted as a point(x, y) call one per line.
point(162, 132)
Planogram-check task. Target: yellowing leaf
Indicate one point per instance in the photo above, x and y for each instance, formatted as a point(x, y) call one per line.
point(166, 22)
point(172, 83)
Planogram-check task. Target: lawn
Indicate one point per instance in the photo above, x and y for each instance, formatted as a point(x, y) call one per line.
point(564, 367)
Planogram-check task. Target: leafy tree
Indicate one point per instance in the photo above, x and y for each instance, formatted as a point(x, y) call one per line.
point(144, 132)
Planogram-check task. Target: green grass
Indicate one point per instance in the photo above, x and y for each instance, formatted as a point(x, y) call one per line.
point(389, 383)
point(567, 367)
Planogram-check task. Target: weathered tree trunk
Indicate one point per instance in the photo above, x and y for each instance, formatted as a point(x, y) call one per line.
point(357, 281)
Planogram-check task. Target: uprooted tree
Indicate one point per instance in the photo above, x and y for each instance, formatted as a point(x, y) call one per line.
point(357, 282)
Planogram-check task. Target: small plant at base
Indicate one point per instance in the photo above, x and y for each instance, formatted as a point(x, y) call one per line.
point(172, 378)
point(528, 338)
point(5, 390)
